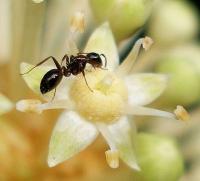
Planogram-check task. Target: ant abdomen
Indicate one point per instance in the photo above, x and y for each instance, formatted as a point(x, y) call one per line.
point(50, 80)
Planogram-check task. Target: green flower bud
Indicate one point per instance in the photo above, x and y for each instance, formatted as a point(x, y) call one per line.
point(158, 158)
point(125, 17)
point(173, 22)
point(182, 65)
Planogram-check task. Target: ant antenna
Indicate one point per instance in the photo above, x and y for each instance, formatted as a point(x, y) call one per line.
point(104, 59)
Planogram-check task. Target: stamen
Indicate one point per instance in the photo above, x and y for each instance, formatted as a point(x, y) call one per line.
point(59, 104)
point(112, 155)
point(181, 113)
point(112, 158)
point(35, 106)
point(127, 65)
point(77, 22)
point(29, 105)
point(147, 42)
point(144, 111)
point(106, 134)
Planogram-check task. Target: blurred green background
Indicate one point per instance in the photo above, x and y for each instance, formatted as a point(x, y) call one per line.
point(32, 31)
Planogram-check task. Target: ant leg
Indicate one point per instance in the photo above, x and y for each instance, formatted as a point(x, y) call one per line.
point(104, 58)
point(86, 81)
point(65, 58)
point(43, 61)
point(53, 95)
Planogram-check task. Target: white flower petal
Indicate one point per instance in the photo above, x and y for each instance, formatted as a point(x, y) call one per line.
point(34, 78)
point(102, 41)
point(123, 136)
point(120, 137)
point(71, 135)
point(127, 65)
point(145, 111)
point(5, 104)
point(145, 88)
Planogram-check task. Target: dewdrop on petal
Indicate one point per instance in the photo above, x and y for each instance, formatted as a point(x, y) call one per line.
point(181, 113)
point(77, 23)
point(29, 105)
point(112, 158)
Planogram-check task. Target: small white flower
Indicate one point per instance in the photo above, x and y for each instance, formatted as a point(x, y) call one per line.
point(115, 95)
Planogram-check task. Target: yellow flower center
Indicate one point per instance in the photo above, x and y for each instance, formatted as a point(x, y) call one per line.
point(106, 100)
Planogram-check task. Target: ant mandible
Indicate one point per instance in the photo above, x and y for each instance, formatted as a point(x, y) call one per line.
point(74, 66)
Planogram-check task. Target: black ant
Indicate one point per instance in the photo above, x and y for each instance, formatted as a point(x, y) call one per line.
point(74, 66)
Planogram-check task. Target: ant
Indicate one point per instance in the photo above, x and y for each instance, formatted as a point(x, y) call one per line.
point(74, 66)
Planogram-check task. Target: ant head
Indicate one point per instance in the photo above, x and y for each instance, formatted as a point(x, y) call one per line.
point(95, 59)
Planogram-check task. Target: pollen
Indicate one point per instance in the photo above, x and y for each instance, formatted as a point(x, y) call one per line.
point(29, 105)
point(181, 113)
point(147, 42)
point(106, 101)
point(112, 158)
point(77, 22)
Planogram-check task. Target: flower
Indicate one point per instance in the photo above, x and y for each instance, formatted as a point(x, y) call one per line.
point(115, 95)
